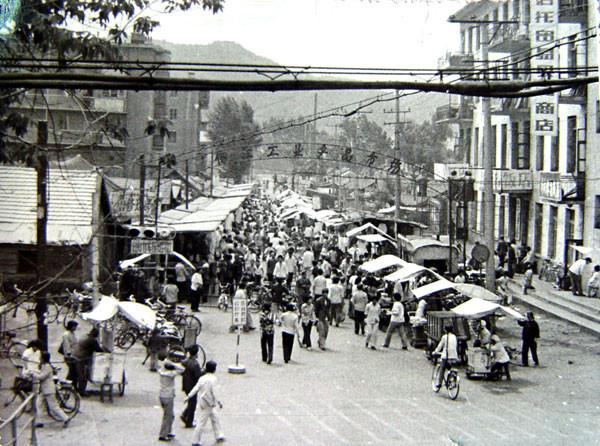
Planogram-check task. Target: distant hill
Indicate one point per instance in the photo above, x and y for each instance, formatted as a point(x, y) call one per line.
point(287, 105)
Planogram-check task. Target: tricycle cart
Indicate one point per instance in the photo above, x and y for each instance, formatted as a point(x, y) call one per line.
point(108, 373)
point(436, 321)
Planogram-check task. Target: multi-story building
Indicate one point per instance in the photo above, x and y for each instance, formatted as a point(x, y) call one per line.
point(539, 169)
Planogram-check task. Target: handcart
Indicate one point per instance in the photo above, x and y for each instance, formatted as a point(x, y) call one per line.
point(108, 373)
point(436, 321)
point(479, 363)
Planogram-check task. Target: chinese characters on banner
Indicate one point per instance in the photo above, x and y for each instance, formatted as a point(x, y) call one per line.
point(543, 33)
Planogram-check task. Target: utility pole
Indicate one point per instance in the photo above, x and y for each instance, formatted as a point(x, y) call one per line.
point(187, 184)
point(398, 185)
point(489, 157)
point(42, 224)
point(142, 188)
point(212, 170)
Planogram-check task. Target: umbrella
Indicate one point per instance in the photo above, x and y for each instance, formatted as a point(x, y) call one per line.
point(476, 291)
point(106, 309)
point(140, 314)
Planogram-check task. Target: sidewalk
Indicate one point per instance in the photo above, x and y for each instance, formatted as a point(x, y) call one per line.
point(581, 311)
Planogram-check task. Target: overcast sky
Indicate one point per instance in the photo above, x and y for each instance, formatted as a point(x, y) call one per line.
point(376, 33)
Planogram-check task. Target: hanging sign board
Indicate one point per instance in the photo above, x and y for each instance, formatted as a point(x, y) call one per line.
point(544, 33)
point(239, 312)
point(151, 246)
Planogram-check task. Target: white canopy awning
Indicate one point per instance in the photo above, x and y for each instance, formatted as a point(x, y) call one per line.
point(476, 291)
point(373, 238)
point(124, 264)
point(477, 308)
point(405, 273)
point(382, 262)
point(105, 310)
point(433, 287)
point(140, 314)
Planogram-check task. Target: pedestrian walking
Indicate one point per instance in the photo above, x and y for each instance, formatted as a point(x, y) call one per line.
point(359, 302)
point(196, 285)
point(207, 403)
point(267, 333)
point(167, 373)
point(191, 374)
point(181, 280)
point(528, 279)
point(397, 323)
point(289, 329)
point(593, 285)
point(45, 377)
point(372, 311)
point(322, 309)
point(529, 334)
point(307, 317)
point(336, 297)
point(84, 355)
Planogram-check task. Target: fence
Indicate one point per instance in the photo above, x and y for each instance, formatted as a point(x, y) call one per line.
point(21, 424)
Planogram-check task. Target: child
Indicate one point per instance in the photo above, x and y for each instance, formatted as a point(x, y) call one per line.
point(594, 282)
point(45, 376)
point(528, 278)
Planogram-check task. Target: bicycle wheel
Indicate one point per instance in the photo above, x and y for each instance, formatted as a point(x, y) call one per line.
point(125, 340)
point(68, 400)
point(122, 384)
point(188, 322)
point(201, 356)
point(453, 384)
point(15, 353)
point(52, 313)
point(434, 378)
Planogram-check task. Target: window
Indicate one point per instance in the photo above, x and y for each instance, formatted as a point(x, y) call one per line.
point(524, 152)
point(514, 146)
point(539, 218)
point(597, 116)
point(539, 152)
point(597, 213)
point(501, 216)
point(476, 148)
point(172, 114)
point(172, 137)
point(494, 142)
point(571, 143)
point(553, 227)
point(572, 56)
point(503, 145)
point(26, 262)
point(554, 149)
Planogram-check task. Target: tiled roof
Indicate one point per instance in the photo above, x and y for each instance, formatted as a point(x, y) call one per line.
point(70, 203)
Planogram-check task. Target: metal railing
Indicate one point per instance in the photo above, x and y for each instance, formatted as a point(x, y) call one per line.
point(14, 428)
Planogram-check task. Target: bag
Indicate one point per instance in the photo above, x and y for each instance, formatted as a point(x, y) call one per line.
point(22, 384)
point(61, 350)
point(406, 315)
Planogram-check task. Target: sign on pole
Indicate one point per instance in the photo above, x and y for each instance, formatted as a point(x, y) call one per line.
point(239, 309)
point(151, 246)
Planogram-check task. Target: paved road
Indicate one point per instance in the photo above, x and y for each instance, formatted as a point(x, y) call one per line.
point(349, 395)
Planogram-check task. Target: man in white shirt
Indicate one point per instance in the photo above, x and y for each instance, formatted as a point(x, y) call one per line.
point(396, 323)
point(207, 403)
point(336, 297)
point(195, 289)
point(307, 259)
point(280, 270)
point(575, 273)
point(448, 351)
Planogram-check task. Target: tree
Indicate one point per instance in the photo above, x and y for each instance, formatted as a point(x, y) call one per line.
point(49, 35)
point(234, 135)
point(364, 136)
point(424, 144)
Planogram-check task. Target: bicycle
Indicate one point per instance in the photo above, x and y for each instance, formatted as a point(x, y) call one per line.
point(67, 397)
point(178, 316)
point(451, 380)
point(76, 303)
point(11, 348)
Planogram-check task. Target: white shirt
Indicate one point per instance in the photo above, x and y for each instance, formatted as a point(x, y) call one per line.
point(578, 266)
point(307, 259)
point(336, 293)
point(280, 271)
point(32, 360)
point(196, 281)
point(448, 346)
point(397, 312)
point(205, 389)
point(372, 311)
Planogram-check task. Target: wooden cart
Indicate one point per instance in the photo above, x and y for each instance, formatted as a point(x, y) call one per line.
point(108, 373)
point(434, 330)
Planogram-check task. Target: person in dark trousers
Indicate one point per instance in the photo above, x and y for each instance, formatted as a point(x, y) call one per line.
point(530, 332)
point(190, 376)
point(41, 308)
point(67, 347)
point(289, 329)
point(84, 354)
point(267, 333)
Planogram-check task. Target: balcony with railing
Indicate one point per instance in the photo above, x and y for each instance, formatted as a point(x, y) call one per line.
point(509, 37)
point(454, 113)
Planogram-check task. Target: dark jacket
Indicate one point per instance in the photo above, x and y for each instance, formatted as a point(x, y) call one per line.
point(191, 374)
point(531, 330)
point(85, 348)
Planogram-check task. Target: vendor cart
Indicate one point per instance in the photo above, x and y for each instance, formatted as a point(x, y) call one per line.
point(108, 373)
point(434, 330)
point(479, 363)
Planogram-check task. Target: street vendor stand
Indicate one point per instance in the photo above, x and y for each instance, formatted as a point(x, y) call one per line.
point(437, 321)
point(108, 369)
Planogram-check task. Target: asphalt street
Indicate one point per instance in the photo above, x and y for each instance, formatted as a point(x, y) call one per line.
point(349, 395)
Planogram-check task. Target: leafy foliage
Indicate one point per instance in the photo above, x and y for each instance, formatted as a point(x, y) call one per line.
point(363, 134)
point(233, 131)
point(424, 144)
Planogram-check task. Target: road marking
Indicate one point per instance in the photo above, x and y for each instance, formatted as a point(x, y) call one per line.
point(342, 415)
point(533, 420)
point(385, 423)
point(284, 420)
point(325, 426)
point(420, 425)
point(441, 420)
point(480, 410)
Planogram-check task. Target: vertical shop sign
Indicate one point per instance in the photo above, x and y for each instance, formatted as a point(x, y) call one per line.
point(543, 34)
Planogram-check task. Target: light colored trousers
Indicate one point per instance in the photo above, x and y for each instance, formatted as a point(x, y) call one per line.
point(372, 329)
point(202, 417)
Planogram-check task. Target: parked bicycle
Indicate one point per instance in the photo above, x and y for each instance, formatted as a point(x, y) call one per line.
point(11, 348)
point(450, 380)
point(67, 397)
point(182, 319)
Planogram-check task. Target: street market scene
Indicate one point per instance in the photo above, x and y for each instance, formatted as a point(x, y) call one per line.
point(315, 246)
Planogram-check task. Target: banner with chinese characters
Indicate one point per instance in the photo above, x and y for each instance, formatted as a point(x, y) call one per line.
point(544, 33)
